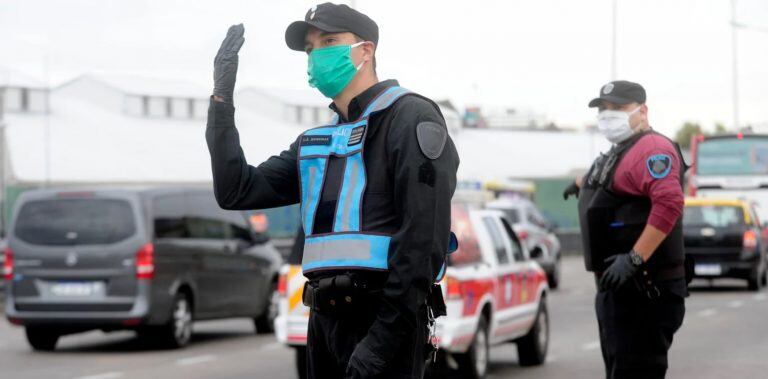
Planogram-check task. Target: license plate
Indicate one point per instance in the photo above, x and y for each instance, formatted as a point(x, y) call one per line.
point(78, 289)
point(708, 269)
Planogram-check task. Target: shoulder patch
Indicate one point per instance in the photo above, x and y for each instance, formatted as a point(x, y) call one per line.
point(431, 137)
point(659, 165)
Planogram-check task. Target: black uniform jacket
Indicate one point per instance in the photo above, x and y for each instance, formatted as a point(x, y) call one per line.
point(408, 195)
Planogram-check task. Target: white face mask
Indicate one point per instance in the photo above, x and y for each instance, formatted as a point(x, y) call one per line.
point(614, 125)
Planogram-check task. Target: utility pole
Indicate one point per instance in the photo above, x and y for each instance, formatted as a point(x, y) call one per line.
point(735, 66)
point(613, 42)
point(2, 160)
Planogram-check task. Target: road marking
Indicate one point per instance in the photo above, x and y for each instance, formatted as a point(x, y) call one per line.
point(594, 345)
point(735, 304)
point(759, 297)
point(707, 312)
point(195, 360)
point(106, 375)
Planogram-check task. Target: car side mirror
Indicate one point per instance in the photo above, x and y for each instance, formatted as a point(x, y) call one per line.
point(536, 253)
point(259, 238)
point(552, 227)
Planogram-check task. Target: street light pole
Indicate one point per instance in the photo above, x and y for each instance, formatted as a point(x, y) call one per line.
point(735, 57)
point(613, 43)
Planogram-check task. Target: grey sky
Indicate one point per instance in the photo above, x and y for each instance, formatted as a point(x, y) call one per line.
point(551, 56)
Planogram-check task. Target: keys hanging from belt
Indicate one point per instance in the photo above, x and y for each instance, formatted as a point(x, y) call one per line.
point(432, 338)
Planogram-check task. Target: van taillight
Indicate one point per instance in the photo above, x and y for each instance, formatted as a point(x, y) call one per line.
point(145, 262)
point(8, 264)
point(750, 240)
point(282, 285)
point(453, 288)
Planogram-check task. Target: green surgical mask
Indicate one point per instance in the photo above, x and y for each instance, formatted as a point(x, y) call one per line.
point(331, 69)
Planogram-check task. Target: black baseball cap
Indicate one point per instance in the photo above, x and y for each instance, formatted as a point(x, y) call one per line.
point(331, 18)
point(619, 92)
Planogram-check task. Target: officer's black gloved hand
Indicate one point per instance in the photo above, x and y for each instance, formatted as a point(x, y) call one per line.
point(364, 362)
point(225, 63)
point(572, 189)
point(618, 273)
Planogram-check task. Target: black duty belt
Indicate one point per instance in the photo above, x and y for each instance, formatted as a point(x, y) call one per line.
point(339, 294)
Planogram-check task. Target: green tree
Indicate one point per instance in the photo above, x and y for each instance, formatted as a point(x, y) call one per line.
point(684, 134)
point(720, 128)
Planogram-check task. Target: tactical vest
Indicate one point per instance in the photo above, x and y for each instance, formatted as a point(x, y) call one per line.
point(612, 223)
point(346, 245)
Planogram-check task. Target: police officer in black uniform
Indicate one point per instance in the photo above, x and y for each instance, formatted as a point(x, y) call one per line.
point(375, 186)
point(630, 211)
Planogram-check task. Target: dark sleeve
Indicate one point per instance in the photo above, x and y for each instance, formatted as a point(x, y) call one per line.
point(238, 185)
point(423, 188)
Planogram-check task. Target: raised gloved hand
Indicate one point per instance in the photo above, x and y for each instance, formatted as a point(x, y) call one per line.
point(621, 270)
point(225, 64)
point(572, 189)
point(364, 362)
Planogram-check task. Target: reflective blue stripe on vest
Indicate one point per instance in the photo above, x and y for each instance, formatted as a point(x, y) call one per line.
point(346, 246)
point(346, 251)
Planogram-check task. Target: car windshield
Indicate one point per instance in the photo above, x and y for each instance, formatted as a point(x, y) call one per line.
point(714, 216)
point(75, 221)
point(513, 215)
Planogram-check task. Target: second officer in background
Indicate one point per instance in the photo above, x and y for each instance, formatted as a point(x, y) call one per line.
point(630, 210)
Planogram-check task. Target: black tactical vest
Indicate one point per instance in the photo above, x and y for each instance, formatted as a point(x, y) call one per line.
point(612, 223)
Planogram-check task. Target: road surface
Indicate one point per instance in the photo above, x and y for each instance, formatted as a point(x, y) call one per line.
point(725, 335)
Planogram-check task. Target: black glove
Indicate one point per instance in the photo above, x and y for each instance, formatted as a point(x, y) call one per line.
point(621, 270)
point(364, 362)
point(572, 189)
point(225, 63)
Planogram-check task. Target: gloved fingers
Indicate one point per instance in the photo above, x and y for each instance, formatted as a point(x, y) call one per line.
point(237, 45)
point(603, 283)
point(611, 259)
point(233, 38)
point(608, 281)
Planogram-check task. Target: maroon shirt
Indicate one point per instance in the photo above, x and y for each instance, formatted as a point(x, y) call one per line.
point(643, 172)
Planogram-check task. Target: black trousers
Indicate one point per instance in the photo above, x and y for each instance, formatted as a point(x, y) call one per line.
point(636, 332)
point(332, 338)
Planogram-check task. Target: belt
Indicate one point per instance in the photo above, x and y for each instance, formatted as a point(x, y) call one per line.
point(339, 294)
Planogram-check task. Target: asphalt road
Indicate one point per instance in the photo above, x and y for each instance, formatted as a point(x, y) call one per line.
point(725, 335)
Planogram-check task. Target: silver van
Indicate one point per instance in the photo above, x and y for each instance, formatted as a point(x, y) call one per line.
point(147, 259)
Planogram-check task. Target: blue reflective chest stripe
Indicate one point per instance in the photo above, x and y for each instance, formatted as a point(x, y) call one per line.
point(347, 245)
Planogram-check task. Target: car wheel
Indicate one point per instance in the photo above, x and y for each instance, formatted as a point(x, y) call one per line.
point(265, 323)
point(765, 277)
point(177, 332)
point(553, 278)
point(474, 363)
point(301, 361)
point(41, 338)
point(532, 348)
point(755, 280)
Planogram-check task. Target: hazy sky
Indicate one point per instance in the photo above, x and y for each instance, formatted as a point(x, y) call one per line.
point(551, 56)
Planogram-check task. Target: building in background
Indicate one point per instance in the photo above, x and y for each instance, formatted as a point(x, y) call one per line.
point(119, 130)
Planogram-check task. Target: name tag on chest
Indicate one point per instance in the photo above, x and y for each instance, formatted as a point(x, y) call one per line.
point(315, 140)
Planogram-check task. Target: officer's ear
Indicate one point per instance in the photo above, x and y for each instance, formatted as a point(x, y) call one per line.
point(644, 111)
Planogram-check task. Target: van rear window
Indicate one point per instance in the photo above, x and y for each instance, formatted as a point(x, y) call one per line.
point(75, 221)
